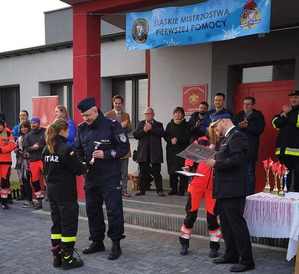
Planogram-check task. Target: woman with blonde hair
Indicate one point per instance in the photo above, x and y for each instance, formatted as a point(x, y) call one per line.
point(61, 113)
point(201, 188)
point(61, 167)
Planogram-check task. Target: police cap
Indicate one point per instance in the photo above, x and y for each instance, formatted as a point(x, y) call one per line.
point(217, 117)
point(86, 104)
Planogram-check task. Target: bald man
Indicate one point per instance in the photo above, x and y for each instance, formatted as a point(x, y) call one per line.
point(149, 133)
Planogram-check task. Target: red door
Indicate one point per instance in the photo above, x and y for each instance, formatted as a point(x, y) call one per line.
point(270, 96)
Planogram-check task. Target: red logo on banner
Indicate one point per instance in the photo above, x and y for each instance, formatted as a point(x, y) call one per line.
point(192, 96)
point(44, 108)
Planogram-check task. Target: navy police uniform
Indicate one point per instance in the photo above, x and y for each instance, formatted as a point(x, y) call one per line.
point(102, 181)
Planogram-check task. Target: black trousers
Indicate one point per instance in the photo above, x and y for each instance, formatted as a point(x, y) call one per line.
point(65, 223)
point(95, 197)
point(27, 190)
point(292, 163)
point(146, 170)
point(234, 230)
point(180, 181)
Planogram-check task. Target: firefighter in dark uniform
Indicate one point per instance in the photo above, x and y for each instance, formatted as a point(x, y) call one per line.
point(101, 142)
point(287, 144)
point(61, 167)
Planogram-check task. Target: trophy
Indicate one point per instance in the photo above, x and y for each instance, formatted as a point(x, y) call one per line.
point(281, 170)
point(267, 166)
point(96, 147)
point(275, 171)
point(285, 178)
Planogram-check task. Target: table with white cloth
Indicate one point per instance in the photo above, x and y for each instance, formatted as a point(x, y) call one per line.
point(272, 216)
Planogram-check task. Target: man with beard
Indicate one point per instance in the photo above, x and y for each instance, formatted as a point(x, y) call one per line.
point(199, 121)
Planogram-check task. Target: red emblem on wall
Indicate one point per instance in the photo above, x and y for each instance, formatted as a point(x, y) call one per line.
point(192, 96)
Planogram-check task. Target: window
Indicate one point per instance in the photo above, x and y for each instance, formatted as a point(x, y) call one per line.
point(257, 74)
point(284, 70)
point(64, 92)
point(135, 93)
point(10, 104)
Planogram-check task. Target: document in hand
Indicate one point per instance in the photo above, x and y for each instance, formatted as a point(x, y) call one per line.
point(189, 174)
point(197, 153)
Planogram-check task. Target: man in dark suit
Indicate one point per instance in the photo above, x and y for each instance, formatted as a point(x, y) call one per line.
point(149, 133)
point(252, 123)
point(230, 192)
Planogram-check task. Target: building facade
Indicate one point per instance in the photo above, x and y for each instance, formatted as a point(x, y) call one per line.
point(85, 55)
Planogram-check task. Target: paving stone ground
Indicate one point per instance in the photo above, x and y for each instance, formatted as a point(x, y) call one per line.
point(24, 249)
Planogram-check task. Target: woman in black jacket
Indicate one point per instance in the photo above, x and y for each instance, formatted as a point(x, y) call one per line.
point(177, 136)
point(61, 167)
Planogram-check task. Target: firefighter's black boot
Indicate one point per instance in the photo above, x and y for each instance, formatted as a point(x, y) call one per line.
point(57, 261)
point(115, 250)
point(184, 246)
point(69, 261)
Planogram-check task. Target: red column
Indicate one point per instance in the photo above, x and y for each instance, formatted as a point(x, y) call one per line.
point(86, 57)
point(86, 64)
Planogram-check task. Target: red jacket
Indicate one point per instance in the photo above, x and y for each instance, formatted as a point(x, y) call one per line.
point(7, 145)
point(201, 187)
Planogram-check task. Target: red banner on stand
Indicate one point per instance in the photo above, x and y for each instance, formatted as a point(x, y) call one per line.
point(192, 96)
point(44, 108)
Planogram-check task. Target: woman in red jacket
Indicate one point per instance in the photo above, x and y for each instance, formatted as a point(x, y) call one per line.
point(201, 188)
point(7, 145)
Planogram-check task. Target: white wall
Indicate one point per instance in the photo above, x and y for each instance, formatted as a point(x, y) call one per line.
point(29, 70)
point(117, 60)
point(171, 69)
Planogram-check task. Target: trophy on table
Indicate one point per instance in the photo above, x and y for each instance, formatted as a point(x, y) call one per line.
point(281, 171)
point(267, 166)
point(285, 178)
point(275, 171)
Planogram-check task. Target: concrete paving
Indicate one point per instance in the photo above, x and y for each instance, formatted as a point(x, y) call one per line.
point(24, 249)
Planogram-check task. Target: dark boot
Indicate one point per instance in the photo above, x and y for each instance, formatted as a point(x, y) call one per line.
point(214, 247)
point(4, 204)
point(39, 204)
point(115, 250)
point(57, 260)
point(94, 247)
point(184, 246)
point(69, 261)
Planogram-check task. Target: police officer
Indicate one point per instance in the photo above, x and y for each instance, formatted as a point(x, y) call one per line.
point(101, 142)
point(287, 144)
point(61, 168)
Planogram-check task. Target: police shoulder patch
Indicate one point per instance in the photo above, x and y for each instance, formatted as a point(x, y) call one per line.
point(122, 137)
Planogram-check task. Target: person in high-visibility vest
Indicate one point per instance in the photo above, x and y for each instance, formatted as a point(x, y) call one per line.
point(287, 143)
